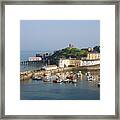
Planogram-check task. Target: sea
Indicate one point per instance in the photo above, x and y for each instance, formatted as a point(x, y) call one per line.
point(24, 56)
point(39, 90)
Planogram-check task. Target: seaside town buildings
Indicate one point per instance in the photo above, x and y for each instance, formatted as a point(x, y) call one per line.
point(93, 56)
point(91, 59)
point(69, 62)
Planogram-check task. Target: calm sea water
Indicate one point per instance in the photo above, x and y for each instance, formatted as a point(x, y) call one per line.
point(24, 56)
point(39, 90)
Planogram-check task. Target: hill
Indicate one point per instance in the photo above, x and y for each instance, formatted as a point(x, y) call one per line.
point(70, 52)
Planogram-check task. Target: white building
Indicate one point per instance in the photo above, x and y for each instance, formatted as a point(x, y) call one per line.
point(64, 63)
point(35, 58)
point(50, 67)
point(69, 62)
point(78, 63)
point(90, 62)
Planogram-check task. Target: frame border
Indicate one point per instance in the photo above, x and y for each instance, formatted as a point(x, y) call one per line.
point(60, 2)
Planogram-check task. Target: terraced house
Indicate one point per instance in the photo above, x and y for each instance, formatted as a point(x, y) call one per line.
point(91, 59)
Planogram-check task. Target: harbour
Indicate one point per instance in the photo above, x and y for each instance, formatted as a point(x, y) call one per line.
point(38, 89)
point(60, 60)
point(29, 74)
point(61, 84)
point(43, 78)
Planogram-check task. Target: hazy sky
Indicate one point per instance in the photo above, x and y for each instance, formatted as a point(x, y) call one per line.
point(44, 35)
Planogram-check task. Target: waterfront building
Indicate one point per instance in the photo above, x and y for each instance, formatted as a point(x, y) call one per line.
point(93, 56)
point(69, 63)
point(90, 62)
point(35, 59)
point(91, 59)
point(50, 67)
point(75, 62)
point(63, 62)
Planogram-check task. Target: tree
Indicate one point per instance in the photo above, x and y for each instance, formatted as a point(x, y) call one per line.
point(67, 53)
point(96, 49)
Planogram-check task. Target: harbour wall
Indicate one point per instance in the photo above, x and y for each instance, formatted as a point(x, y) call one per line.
point(29, 74)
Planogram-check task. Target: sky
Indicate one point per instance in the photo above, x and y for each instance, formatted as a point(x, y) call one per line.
point(50, 35)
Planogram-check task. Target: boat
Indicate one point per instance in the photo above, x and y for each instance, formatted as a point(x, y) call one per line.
point(89, 76)
point(66, 81)
point(57, 81)
point(78, 74)
point(73, 81)
point(98, 84)
point(36, 78)
point(47, 79)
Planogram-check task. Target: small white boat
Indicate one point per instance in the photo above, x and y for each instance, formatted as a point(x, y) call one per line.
point(57, 81)
point(46, 80)
point(66, 80)
point(36, 78)
point(74, 81)
point(78, 74)
point(89, 76)
point(98, 84)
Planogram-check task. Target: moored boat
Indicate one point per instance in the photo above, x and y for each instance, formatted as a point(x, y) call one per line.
point(57, 81)
point(66, 80)
point(36, 78)
point(47, 79)
point(73, 81)
point(89, 77)
point(98, 84)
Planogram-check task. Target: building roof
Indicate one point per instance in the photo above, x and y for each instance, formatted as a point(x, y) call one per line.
point(94, 52)
point(91, 60)
point(51, 66)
